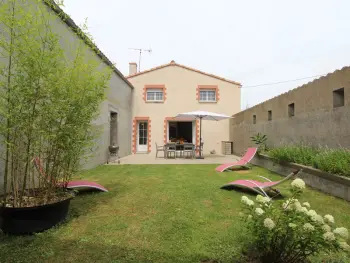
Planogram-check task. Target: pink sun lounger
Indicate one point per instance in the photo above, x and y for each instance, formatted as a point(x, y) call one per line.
point(249, 155)
point(79, 185)
point(259, 187)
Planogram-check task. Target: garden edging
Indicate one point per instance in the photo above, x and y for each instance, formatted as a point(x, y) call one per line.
point(329, 183)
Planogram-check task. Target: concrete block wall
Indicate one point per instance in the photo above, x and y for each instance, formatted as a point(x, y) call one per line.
point(316, 121)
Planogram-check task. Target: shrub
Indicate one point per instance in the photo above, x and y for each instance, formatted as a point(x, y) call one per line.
point(260, 141)
point(336, 161)
point(291, 232)
point(301, 154)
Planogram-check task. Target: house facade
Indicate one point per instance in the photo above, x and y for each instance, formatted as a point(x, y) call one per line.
point(165, 91)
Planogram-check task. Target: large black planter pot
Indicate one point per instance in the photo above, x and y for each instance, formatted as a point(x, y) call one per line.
point(29, 220)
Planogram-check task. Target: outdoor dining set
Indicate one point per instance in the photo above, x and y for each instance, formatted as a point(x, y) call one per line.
point(179, 150)
point(184, 149)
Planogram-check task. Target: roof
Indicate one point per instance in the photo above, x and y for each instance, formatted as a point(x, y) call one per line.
point(173, 63)
point(70, 23)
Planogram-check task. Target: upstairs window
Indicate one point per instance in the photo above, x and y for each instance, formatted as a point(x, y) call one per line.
point(155, 95)
point(207, 95)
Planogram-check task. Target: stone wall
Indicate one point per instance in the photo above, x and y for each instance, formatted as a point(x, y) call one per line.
point(328, 183)
point(321, 115)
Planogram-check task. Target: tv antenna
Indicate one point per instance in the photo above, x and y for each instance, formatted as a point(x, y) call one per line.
point(140, 51)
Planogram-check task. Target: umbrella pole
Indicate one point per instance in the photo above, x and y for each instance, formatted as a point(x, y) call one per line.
point(200, 138)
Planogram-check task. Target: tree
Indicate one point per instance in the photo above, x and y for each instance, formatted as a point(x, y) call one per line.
point(48, 100)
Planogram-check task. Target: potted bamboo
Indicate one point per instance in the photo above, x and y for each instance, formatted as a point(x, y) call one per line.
point(48, 99)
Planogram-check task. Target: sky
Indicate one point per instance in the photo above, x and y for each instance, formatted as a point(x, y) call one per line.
point(253, 42)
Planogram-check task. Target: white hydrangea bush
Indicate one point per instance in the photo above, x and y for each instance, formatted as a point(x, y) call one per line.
point(291, 231)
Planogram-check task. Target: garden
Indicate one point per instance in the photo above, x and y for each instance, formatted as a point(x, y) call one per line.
point(165, 213)
point(49, 96)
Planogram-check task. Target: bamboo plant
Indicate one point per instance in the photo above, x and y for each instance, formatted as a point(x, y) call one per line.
point(49, 96)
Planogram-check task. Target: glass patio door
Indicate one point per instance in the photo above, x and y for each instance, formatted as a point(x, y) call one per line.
point(142, 136)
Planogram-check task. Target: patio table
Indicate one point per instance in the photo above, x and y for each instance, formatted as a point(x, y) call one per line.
point(179, 147)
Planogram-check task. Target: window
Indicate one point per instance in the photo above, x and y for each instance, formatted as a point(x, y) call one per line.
point(269, 115)
point(254, 119)
point(291, 110)
point(155, 95)
point(113, 128)
point(207, 95)
point(338, 98)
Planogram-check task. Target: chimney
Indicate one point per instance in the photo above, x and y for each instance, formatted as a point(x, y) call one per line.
point(132, 68)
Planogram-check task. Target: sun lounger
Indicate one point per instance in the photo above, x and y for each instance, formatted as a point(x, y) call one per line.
point(249, 155)
point(259, 187)
point(78, 185)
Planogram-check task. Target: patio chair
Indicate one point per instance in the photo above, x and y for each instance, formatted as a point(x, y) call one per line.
point(249, 155)
point(260, 187)
point(171, 149)
point(189, 150)
point(160, 149)
point(78, 185)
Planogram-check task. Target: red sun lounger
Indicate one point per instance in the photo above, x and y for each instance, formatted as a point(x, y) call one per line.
point(249, 155)
point(78, 185)
point(259, 187)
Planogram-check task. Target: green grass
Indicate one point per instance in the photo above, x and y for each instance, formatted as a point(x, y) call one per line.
point(154, 213)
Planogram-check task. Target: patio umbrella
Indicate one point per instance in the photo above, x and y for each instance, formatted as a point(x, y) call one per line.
point(202, 115)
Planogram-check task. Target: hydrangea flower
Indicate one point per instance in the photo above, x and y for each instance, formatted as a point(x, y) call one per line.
point(311, 213)
point(303, 209)
point(245, 200)
point(329, 219)
point(259, 211)
point(344, 246)
point(250, 203)
point(298, 184)
point(306, 204)
point(329, 236)
point(292, 225)
point(326, 228)
point(342, 232)
point(286, 206)
point(262, 199)
point(297, 206)
point(308, 227)
point(268, 223)
point(317, 219)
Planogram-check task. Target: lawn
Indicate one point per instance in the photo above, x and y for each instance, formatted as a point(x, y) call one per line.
point(154, 213)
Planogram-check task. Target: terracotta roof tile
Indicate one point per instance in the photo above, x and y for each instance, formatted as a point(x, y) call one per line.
point(173, 63)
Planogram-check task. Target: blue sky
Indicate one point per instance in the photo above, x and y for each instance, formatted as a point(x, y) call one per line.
point(253, 42)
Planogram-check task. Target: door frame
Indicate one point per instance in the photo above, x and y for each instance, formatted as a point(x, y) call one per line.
point(142, 148)
point(135, 133)
point(185, 120)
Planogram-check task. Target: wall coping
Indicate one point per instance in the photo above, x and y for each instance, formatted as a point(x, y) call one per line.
point(310, 170)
